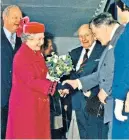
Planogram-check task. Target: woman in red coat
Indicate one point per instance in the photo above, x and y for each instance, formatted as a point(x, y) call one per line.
point(29, 110)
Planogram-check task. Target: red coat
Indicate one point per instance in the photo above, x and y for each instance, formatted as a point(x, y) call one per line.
point(29, 110)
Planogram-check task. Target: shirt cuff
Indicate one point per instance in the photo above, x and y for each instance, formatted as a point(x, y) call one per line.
point(119, 101)
point(79, 84)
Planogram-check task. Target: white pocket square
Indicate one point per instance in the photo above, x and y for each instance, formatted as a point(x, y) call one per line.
point(110, 47)
point(97, 60)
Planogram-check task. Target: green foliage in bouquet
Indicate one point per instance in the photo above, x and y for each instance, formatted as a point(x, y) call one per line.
point(59, 65)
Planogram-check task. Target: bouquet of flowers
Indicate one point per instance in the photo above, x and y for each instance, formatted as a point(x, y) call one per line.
point(58, 66)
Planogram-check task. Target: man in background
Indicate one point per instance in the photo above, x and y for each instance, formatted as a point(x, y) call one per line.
point(10, 43)
point(85, 106)
point(107, 31)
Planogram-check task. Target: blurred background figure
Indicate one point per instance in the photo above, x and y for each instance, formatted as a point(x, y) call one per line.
point(47, 48)
point(55, 103)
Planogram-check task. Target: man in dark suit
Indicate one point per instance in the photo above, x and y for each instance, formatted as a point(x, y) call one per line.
point(9, 45)
point(86, 107)
point(107, 31)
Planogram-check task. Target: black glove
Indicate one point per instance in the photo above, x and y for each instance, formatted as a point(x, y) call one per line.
point(65, 86)
point(59, 86)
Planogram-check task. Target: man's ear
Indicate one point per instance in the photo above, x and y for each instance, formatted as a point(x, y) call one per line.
point(4, 17)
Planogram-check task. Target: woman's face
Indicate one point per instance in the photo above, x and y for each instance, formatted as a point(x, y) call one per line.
point(37, 41)
point(49, 50)
point(122, 16)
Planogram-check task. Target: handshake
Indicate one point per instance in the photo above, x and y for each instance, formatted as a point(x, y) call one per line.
point(64, 89)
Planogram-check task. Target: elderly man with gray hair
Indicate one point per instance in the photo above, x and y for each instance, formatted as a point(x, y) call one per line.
point(107, 31)
point(9, 45)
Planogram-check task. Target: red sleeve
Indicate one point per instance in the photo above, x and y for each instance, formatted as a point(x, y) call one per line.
point(26, 74)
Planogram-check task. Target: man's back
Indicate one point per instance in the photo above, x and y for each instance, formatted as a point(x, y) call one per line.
point(104, 74)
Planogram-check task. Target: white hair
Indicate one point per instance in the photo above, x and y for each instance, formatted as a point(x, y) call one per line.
point(26, 36)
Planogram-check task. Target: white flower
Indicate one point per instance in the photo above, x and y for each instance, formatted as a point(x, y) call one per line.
point(52, 53)
point(57, 68)
point(52, 78)
point(48, 58)
point(55, 60)
point(56, 56)
point(63, 57)
point(59, 72)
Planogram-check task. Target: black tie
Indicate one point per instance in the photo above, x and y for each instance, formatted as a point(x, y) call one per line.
point(85, 58)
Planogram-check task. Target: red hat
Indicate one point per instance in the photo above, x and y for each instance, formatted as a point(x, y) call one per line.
point(26, 26)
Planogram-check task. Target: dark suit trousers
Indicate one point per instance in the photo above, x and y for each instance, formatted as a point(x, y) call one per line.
point(91, 127)
point(4, 116)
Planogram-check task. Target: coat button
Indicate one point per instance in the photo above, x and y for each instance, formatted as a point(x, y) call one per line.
point(10, 71)
point(104, 64)
point(109, 90)
point(103, 80)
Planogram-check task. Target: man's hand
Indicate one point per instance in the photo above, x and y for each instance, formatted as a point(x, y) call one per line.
point(102, 95)
point(73, 83)
point(87, 94)
point(118, 110)
point(63, 92)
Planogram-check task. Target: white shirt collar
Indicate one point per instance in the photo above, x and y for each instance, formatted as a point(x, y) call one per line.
point(8, 34)
point(90, 49)
point(83, 53)
point(114, 30)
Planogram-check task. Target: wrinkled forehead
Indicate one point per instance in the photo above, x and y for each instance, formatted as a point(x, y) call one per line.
point(14, 11)
point(84, 31)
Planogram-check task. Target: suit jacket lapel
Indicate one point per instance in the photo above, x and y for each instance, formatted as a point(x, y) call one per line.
point(79, 51)
point(90, 64)
point(94, 53)
point(7, 45)
point(111, 45)
point(75, 55)
point(102, 57)
point(18, 44)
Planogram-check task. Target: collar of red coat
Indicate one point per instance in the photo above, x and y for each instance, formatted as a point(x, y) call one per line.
point(31, 54)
